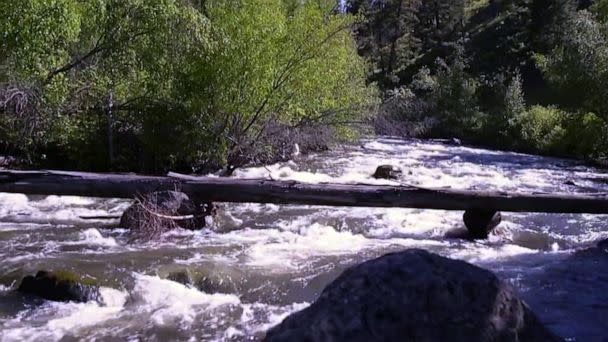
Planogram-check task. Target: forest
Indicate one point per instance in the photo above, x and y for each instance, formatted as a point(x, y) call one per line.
point(200, 85)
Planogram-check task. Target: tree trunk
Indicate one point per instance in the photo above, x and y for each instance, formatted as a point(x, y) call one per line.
point(219, 189)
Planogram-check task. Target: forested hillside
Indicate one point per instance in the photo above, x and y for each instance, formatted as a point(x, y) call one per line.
point(529, 75)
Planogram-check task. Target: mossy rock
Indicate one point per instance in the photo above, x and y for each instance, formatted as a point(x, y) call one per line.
point(207, 278)
point(61, 286)
point(183, 277)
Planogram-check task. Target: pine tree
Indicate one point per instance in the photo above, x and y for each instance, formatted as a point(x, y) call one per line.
point(385, 36)
point(440, 23)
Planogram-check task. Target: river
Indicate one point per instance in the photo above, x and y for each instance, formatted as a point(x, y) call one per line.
point(271, 260)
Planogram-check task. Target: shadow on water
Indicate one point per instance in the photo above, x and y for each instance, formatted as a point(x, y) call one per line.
point(573, 288)
point(13, 302)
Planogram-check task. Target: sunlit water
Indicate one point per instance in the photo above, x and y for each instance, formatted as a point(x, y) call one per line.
point(274, 260)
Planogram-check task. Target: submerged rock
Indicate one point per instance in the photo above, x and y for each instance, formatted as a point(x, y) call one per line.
point(167, 208)
point(480, 222)
point(414, 296)
point(59, 286)
point(387, 172)
point(183, 277)
point(209, 279)
point(227, 282)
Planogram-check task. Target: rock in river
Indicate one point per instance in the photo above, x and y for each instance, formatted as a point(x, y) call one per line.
point(480, 222)
point(59, 286)
point(168, 208)
point(387, 172)
point(414, 296)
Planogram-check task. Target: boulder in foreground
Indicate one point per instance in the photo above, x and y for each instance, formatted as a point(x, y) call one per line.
point(59, 286)
point(414, 296)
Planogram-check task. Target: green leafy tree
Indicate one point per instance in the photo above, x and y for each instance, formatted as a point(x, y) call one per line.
point(578, 67)
point(276, 65)
point(157, 84)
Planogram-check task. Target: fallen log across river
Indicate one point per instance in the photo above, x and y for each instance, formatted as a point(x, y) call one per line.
point(220, 189)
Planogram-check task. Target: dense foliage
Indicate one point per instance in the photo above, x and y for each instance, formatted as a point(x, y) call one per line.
point(530, 75)
point(149, 85)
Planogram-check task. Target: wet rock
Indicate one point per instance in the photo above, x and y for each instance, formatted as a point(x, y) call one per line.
point(208, 278)
point(414, 296)
point(214, 283)
point(570, 182)
point(387, 172)
point(183, 277)
point(164, 206)
point(480, 222)
point(59, 286)
point(458, 233)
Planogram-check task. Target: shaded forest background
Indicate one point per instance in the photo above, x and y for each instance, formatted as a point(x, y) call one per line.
point(199, 85)
point(528, 75)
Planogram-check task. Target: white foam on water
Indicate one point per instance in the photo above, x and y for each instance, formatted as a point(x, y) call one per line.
point(282, 171)
point(93, 236)
point(585, 237)
point(63, 319)
point(290, 249)
point(13, 204)
point(12, 226)
point(55, 210)
point(379, 146)
point(274, 315)
point(170, 303)
point(286, 239)
point(59, 201)
point(395, 222)
point(478, 252)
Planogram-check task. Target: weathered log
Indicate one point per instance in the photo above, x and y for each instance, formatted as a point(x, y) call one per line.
point(216, 189)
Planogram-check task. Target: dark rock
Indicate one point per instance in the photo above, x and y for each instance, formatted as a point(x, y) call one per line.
point(414, 296)
point(182, 277)
point(220, 282)
point(603, 245)
point(387, 172)
point(480, 222)
point(167, 204)
point(59, 286)
point(570, 182)
point(209, 278)
point(458, 233)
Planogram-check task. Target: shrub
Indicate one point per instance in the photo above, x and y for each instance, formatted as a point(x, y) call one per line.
point(586, 136)
point(541, 128)
point(551, 130)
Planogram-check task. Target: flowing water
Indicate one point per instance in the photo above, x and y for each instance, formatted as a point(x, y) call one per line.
point(271, 260)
